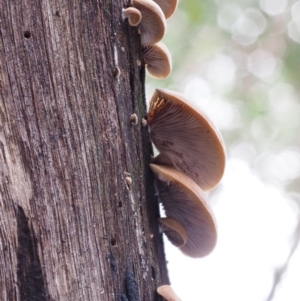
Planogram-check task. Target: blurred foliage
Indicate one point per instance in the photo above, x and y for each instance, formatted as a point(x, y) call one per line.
point(292, 64)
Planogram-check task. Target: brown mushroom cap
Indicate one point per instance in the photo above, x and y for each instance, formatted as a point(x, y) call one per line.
point(133, 15)
point(168, 6)
point(153, 24)
point(158, 60)
point(167, 293)
point(162, 159)
point(174, 230)
point(184, 201)
point(185, 135)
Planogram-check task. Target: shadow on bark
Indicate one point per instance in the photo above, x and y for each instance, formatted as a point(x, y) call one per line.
point(30, 277)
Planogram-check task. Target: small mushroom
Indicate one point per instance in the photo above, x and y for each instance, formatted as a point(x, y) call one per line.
point(184, 201)
point(158, 60)
point(144, 122)
point(185, 135)
point(134, 119)
point(128, 181)
point(168, 6)
point(153, 23)
point(117, 72)
point(133, 15)
point(167, 293)
point(174, 230)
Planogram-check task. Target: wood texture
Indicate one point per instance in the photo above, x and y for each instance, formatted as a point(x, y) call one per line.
point(70, 226)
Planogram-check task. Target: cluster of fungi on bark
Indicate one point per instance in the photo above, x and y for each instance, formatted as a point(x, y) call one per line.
point(192, 151)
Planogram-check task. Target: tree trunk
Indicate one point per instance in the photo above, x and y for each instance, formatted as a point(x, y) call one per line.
point(71, 227)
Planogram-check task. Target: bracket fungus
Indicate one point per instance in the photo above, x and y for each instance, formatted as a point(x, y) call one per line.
point(174, 230)
point(162, 159)
point(185, 135)
point(184, 201)
point(158, 60)
point(153, 22)
point(133, 15)
point(167, 293)
point(168, 6)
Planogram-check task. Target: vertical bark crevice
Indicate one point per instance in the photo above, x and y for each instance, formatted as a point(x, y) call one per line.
point(30, 277)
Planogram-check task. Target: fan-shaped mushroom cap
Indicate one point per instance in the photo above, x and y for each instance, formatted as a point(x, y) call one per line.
point(184, 201)
point(167, 293)
point(133, 15)
point(162, 159)
point(174, 230)
point(158, 60)
point(187, 137)
point(153, 24)
point(167, 6)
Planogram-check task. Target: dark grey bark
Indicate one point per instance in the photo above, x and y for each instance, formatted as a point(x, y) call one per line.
point(70, 226)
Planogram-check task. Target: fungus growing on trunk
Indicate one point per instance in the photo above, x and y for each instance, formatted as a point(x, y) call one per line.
point(168, 6)
point(184, 201)
point(167, 293)
point(153, 22)
point(133, 15)
point(162, 159)
point(187, 137)
point(158, 60)
point(174, 230)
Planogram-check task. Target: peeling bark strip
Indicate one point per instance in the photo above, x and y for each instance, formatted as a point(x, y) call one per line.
point(70, 226)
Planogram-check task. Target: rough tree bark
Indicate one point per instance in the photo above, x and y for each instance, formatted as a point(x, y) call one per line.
point(70, 226)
